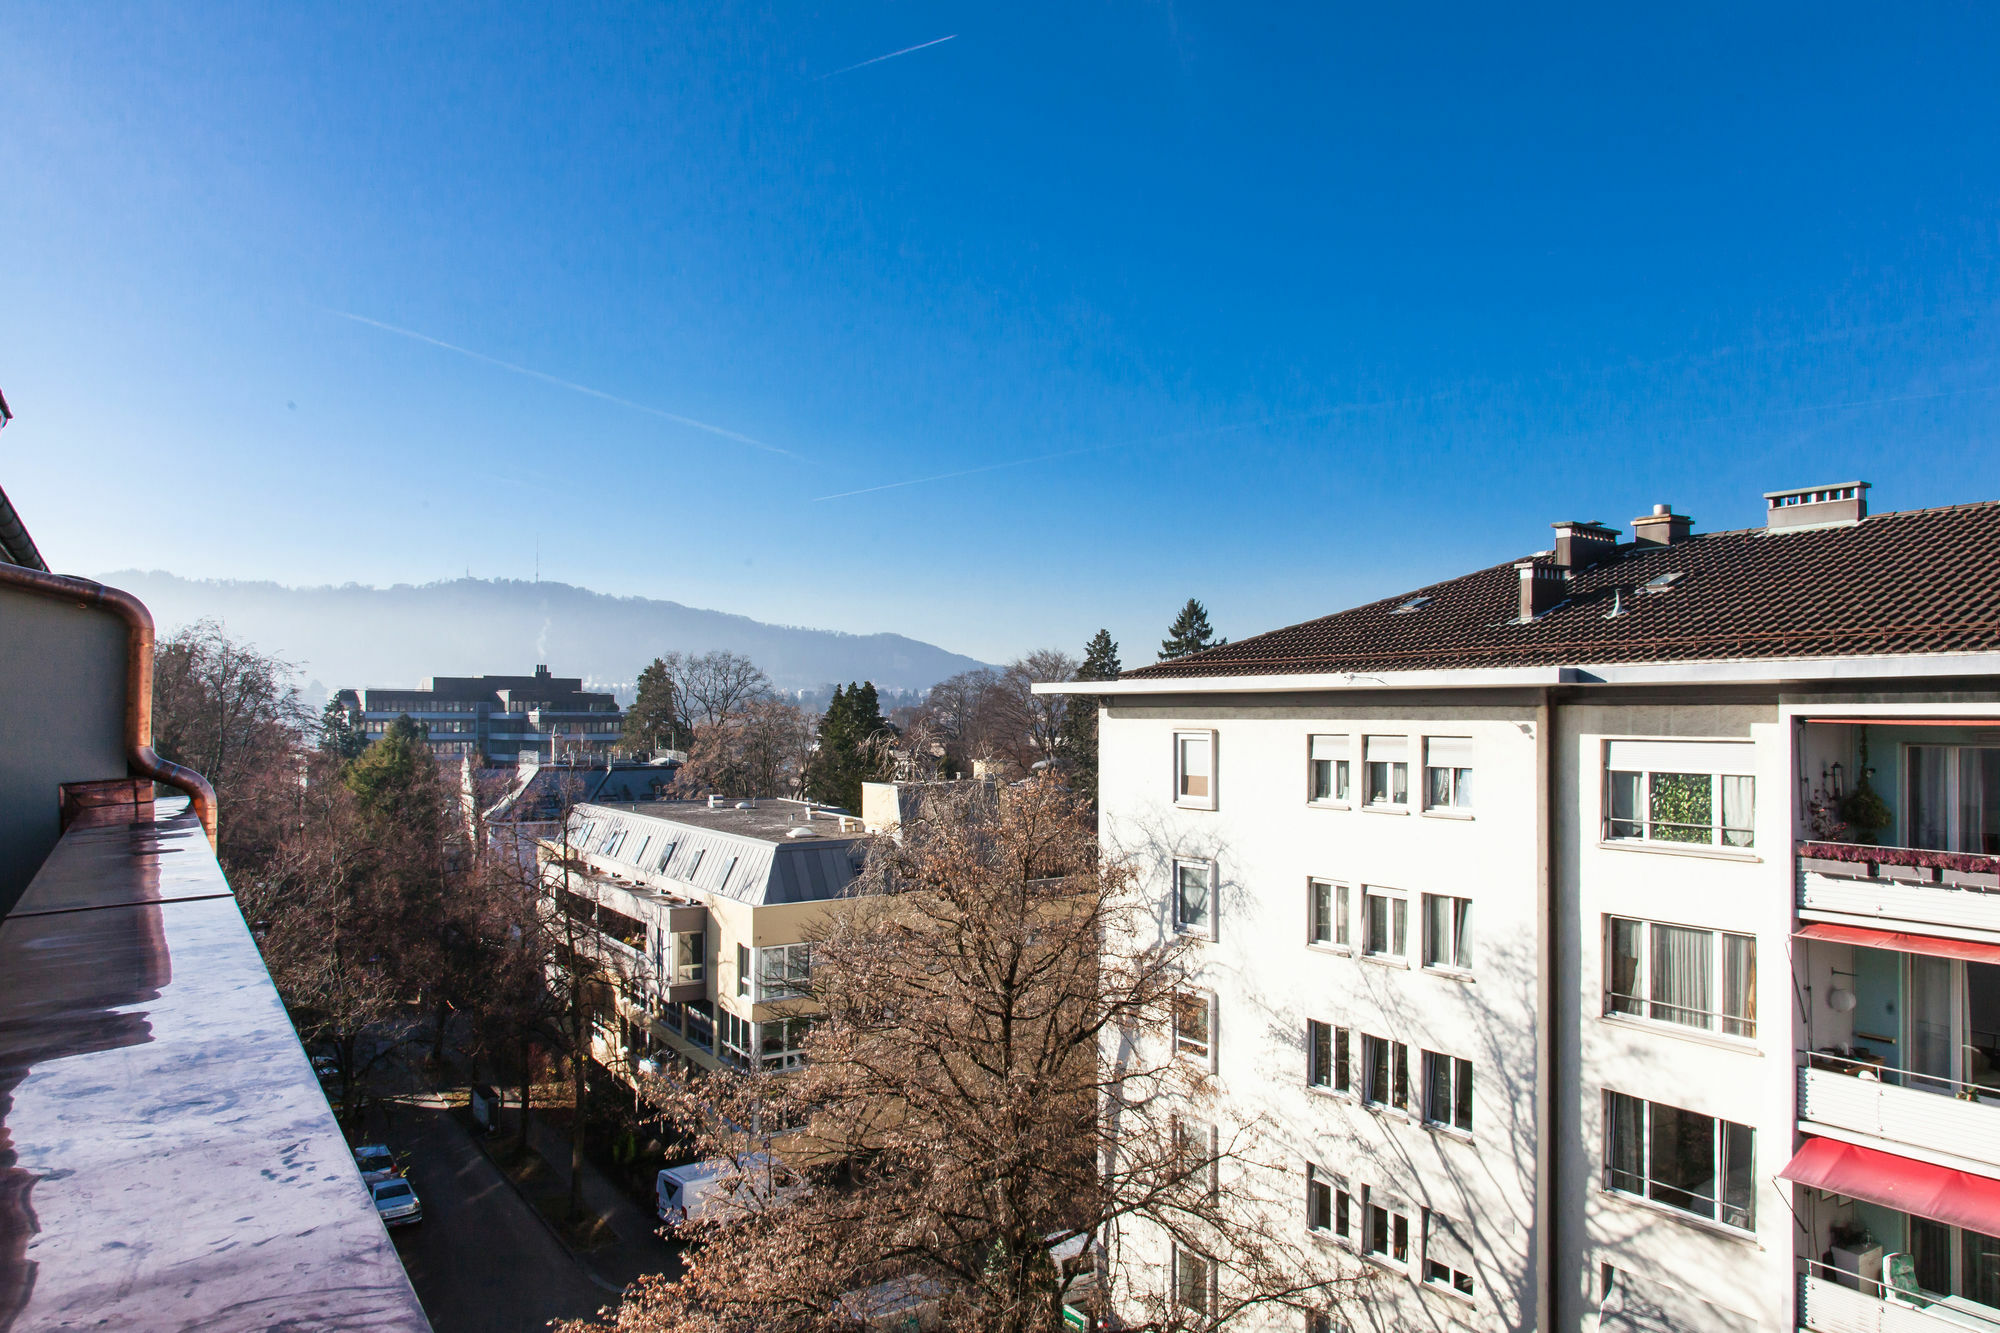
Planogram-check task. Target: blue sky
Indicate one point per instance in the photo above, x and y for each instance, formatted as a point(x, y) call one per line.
point(1295, 308)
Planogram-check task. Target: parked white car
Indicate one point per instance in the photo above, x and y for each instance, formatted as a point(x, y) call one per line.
point(375, 1162)
point(695, 1191)
point(396, 1201)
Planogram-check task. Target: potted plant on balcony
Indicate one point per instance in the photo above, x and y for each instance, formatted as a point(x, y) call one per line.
point(1865, 813)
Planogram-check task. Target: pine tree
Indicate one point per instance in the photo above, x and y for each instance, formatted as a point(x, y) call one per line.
point(1079, 725)
point(338, 735)
point(653, 721)
point(850, 751)
point(1190, 633)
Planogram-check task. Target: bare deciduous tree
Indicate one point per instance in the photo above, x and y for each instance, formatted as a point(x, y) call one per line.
point(713, 687)
point(1002, 1094)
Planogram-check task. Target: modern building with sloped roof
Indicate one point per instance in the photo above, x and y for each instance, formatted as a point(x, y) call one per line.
point(1609, 937)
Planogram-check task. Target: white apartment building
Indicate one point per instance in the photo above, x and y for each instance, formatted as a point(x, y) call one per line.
point(1526, 919)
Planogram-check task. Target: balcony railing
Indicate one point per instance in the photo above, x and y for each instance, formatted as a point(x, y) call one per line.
point(1960, 889)
point(1938, 1114)
point(1828, 1305)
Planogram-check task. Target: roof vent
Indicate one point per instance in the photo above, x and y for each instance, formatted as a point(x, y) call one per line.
point(1816, 506)
point(1662, 527)
point(715, 800)
point(1580, 544)
point(801, 833)
point(1543, 584)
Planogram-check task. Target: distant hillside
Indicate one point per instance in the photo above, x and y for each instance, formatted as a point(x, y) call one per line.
point(357, 636)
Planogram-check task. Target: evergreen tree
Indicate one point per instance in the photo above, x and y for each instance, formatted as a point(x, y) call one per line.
point(653, 721)
point(1079, 725)
point(338, 735)
point(851, 749)
point(1190, 633)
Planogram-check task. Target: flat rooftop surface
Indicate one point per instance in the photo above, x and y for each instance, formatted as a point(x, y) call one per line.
point(769, 821)
point(166, 1156)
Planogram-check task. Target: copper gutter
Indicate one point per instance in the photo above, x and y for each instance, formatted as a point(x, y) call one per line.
point(139, 754)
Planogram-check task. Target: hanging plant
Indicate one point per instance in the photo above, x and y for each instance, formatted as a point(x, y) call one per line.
point(1865, 813)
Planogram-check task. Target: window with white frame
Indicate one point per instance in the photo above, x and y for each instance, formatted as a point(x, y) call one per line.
point(1194, 769)
point(1319, 1199)
point(666, 855)
point(742, 969)
point(1952, 799)
point(1699, 1164)
point(784, 971)
point(1447, 1256)
point(727, 870)
point(1194, 898)
point(1386, 760)
point(613, 841)
point(1385, 1072)
point(1327, 770)
point(781, 1043)
point(1385, 922)
point(1448, 1091)
point(1447, 932)
point(1447, 773)
point(1693, 792)
point(640, 855)
point(1194, 1282)
point(694, 863)
point(1684, 975)
point(1326, 914)
point(1194, 1026)
point(1327, 1057)
point(1198, 1154)
point(1387, 1231)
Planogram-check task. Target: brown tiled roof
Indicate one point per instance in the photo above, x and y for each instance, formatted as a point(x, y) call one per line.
point(1920, 581)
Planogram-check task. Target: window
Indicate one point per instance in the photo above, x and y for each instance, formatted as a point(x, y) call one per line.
point(644, 843)
point(1326, 770)
point(781, 1043)
point(1197, 1155)
point(666, 855)
point(1194, 1026)
point(784, 971)
point(1385, 1072)
point(1388, 769)
point(739, 1038)
point(1447, 1258)
point(1670, 973)
point(690, 957)
point(1388, 1228)
point(1326, 914)
point(1319, 1200)
point(1448, 1091)
point(742, 969)
point(694, 863)
point(700, 1016)
point(1385, 917)
point(1696, 1163)
point(1954, 798)
point(1194, 1282)
point(1447, 773)
point(1194, 769)
point(1697, 792)
point(1447, 932)
point(727, 871)
point(1326, 1057)
point(613, 841)
point(1194, 901)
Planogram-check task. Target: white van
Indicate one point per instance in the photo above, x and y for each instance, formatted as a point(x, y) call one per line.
point(695, 1191)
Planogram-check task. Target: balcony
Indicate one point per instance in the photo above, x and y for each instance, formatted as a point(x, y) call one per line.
point(1959, 890)
point(1829, 1306)
point(1959, 1119)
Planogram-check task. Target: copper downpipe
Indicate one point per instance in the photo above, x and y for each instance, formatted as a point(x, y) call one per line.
point(139, 754)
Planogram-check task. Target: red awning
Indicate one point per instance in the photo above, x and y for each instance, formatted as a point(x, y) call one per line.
point(1934, 946)
point(1956, 1198)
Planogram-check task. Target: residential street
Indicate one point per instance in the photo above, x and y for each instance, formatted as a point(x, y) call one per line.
point(481, 1260)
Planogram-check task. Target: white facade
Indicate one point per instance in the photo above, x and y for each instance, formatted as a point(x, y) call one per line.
point(1562, 1023)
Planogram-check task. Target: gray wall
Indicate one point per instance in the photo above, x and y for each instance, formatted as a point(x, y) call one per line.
point(62, 719)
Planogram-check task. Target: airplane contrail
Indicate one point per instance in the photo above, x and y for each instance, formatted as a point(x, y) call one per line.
point(571, 385)
point(973, 471)
point(876, 60)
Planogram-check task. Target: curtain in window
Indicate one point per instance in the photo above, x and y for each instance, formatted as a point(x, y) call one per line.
point(1929, 810)
point(1739, 811)
point(1930, 1021)
point(1680, 975)
point(1626, 1133)
point(1979, 1268)
point(1739, 985)
point(1982, 1023)
point(1624, 981)
point(1979, 800)
point(1461, 932)
point(1930, 1253)
point(1739, 1178)
point(1625, 806)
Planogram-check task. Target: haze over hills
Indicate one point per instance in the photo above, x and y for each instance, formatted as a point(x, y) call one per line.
point(360, 636)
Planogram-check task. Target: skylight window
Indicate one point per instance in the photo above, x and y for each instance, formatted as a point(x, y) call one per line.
point(1661, 582)
point(1414, 604)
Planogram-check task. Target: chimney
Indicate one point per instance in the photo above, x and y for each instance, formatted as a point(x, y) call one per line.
point(1662, 527)
point(1580, 544)
point(1816, 506)
point(1543, 584)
